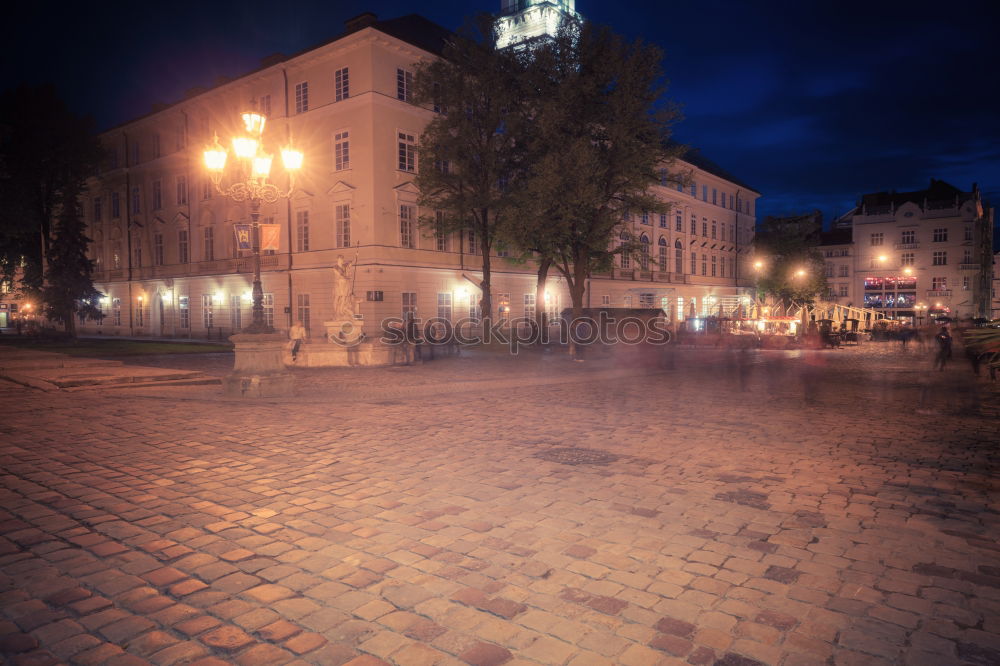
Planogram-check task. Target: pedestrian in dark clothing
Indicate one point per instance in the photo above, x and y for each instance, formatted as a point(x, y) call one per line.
point(944, 348)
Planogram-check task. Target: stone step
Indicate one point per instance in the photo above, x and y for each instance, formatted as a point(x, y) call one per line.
point(202, 380)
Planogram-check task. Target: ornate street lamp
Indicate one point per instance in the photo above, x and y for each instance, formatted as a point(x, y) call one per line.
point(250, 172)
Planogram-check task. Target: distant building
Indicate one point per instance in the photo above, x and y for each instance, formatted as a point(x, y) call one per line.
point(527, 20)
point(930, 247)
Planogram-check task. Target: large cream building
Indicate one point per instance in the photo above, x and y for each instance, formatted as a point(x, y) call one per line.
point(914, 254)
point(164, 243)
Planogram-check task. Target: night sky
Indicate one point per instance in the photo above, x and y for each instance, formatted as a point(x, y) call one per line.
point(812, 102)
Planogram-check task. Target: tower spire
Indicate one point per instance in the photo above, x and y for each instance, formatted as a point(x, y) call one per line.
point(527, 20)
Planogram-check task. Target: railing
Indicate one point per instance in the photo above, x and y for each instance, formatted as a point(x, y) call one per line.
point(625, 273)
point(938, 292)
point(907, 246)
point(116, 274)
point(645, 275)
point(969, 267)
point(661, 276)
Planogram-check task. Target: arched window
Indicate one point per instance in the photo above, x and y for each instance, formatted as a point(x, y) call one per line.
point(662, 257)
point(644, 258)
point(678, 257)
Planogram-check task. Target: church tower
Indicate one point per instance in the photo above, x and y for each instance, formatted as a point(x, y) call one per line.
point(525, 20)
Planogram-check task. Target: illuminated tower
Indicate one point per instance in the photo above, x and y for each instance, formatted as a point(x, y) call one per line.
point(525, 20)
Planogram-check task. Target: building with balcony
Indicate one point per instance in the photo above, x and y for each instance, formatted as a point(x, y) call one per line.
point(169, 265)
point(930, 247)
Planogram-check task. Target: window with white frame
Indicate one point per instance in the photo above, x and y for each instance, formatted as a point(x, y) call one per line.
point(137, 253)
point(715, 261)
point(694, 263)
point(715, 226)
point(627, 300)
point(183, 312)
point(404, 85)
point(206, 188)
point(116, 311)
point(662, 258)
point(470, 236)
point(342, 221)
point(939, 258)
point(302, 97)
point(444, 305)
point(207, 310)
point(208, 238)
point(907, 237)
point(136, 201)
point(407, 152)
point(182, 246)
point(236, 312)
point(966, 256)
point(877, 238)
point(704, 264)
point(939, 283)
point(605, 299)
point(843, 270)
point(407, 219)
point(678, 257)
point(475, 311)
point(116, 208)
point(842, 290)
point(342, 150)
point(265, 105)
point(679, 221)
point(941, 235)
point(157, 192)
point(663, 220)
point(268, 303)
point(529, 306)
point(968, 232)
point(182, 190)
point(302, 309)
point(409, 305)
point(341, 85)
point(440, 237)
point(302, 231)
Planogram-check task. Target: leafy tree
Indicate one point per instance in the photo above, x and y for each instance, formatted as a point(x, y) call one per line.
point(792, 267)
point(68, 289)
point(598, 138)
point(469, 152)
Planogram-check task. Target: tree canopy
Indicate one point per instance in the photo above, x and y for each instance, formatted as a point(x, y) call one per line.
point(790, 265)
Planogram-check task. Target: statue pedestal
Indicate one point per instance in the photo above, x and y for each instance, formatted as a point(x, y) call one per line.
point(345, 332)
point(259, 370)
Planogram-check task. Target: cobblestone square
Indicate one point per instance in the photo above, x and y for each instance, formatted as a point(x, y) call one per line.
point(785, 508)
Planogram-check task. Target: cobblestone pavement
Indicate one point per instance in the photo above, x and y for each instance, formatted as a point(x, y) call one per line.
point(834, 507)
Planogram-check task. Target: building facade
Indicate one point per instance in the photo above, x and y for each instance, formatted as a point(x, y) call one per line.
point(915, 254)
point(164, 246)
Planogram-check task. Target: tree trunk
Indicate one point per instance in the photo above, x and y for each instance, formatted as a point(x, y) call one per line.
point(486, 302)
point(577, 288)
point(540, 315)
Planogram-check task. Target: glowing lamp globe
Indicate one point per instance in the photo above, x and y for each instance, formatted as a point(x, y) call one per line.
point(254, 122)
point(262, 166)
point(292, 159)
point(244, 147)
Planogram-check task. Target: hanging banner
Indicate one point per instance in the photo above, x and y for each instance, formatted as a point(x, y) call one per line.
point(243, 237)
point(270, 236)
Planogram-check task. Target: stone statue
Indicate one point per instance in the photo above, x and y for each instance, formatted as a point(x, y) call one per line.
point(343, 292)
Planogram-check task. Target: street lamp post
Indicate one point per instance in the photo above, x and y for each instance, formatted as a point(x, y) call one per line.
point(259, 368)
point(250, 183)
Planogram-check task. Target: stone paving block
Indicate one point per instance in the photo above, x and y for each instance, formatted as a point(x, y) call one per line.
point(226, 638)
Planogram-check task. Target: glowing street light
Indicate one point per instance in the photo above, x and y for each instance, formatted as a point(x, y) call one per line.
point(250, 182)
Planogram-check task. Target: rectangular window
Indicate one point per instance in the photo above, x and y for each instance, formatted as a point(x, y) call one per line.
point(722, 267)
point(645, 217)
point(407, 152)
point(694, 224)
point(968, 232)
point(207, 310)
point(236, 312)
point(182, 246)
point(157, 195)
point(206, 188)
point(966, 256)
point(715, 261)
point(341, 85)
point(137, 253)
point(302, 231)
point(694, 263)
point(704, 265)
point(136, 202)
point(939, 258)
point(939, 283)
point(704, 227)
point(646, 300)
point(268, 304)
point(183, 312)
point(407, 216)
point(342, 150)
point(908, 237)
point(98, 212)
point(843, 270)
point(605, 299)
point(342, 215)
point(714, 229)
point(965, 282)
point(627, 300)
point(876, 239)
point(475, 311)
point(265, 105)
point(704, 193)
point(905, 259)
point(842, 290)
point(694, 190)
point(157, 249)
point(663, 220)
point(444, 306)
point(470, 236)
point(723, 202)
point(529, 306)
point(302, 309)
point(440, 238)
point(208, 236)
point(679, 221)
point(828, 270)
point(409, 305)
point(182, 190)
point(116, 311)
point(715, 196)
point(302, 97)
point(404, 85)
point(941, 235)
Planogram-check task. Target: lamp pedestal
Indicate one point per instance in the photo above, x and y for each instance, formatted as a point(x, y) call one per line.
point(259, 370)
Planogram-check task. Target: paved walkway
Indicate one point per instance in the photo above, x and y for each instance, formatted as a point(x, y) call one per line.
point(775, 508)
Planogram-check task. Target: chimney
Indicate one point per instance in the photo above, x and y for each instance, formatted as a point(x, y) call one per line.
point(360, 22)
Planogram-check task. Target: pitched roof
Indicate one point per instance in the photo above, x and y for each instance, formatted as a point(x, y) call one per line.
point(937, 191)
point(694, 157)
point(835, 237)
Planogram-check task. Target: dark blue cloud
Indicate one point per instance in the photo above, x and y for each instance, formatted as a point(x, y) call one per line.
point(813, 103)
